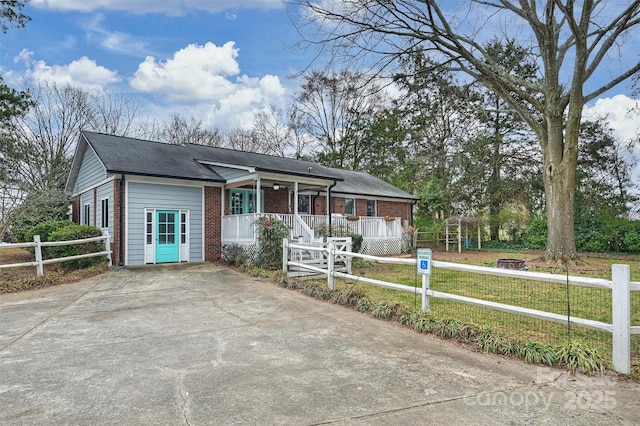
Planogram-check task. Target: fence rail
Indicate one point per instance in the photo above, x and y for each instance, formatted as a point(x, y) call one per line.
point(620, 286)
point(39, 262)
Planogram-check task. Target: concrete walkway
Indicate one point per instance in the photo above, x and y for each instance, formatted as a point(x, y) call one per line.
point(201, 344)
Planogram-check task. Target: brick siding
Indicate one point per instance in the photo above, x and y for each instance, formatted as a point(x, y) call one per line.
point(383, 208)
point(276, 201)
point(212, 223)
point(115, 245)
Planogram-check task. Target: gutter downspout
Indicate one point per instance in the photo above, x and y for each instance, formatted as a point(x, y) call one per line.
point(120, 222)
point(312, 207)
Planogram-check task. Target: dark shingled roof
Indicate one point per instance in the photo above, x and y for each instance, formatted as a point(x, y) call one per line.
point(357, 183)
point(265, 163)
point(142, 157)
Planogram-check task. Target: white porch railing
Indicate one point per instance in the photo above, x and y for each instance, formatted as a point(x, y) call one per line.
point(240, 228)
point(370, 227)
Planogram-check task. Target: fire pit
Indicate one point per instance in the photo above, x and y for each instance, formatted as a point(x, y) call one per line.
point(517, 264)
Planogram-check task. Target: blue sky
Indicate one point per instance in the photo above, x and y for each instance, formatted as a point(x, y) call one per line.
point(216, 60)
point(196, 57)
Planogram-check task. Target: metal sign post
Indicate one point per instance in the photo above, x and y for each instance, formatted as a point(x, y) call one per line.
point(423, 264)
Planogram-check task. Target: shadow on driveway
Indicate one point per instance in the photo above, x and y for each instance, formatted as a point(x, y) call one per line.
point(202, 344)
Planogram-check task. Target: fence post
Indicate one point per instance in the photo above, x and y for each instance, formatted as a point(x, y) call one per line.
point(349, 259)
point(107, 245)
point(621, 312)
point(38, 250)
point(331, 279)
point(285, 255)
point(426, 285)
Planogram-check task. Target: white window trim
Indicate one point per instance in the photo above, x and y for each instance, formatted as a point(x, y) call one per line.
point(102, 213)
point(86, 214)
point(354, 213)
point(375, 207)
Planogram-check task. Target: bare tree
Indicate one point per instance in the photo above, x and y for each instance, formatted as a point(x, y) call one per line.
point(182, 130)
point(571, 41)
point(302, 143)
point(113, 113)
point(273, 133)
point(242, 139)
point(36, 154)
point(335, 107)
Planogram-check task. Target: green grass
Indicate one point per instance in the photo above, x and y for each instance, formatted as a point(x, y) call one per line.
point(588, 303)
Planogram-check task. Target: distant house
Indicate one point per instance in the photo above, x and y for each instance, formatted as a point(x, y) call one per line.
point(183, 203)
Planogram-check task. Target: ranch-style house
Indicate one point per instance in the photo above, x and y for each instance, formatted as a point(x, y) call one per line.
point(183, 203)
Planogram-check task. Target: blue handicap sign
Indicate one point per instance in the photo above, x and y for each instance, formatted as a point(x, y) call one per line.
point(424, 261)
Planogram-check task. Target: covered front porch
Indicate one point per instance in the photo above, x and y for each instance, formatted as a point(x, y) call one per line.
point(309, 208)
point(380, 235)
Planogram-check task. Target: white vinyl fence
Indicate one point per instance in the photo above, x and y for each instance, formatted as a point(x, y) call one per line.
point(620, 284)
point(39, 262)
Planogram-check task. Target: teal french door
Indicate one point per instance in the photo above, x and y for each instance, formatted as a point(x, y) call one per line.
point(167, 232)
point(243, 201)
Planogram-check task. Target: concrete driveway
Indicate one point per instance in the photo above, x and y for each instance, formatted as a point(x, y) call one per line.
point(201, 344)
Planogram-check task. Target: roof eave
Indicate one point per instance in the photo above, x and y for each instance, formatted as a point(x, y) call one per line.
point(282, 172)
point(128, 172)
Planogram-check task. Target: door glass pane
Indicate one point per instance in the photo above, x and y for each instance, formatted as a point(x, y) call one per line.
point(252, 203)
point(166, 228)
point(303, 204)
point(149, 227)
point(236, 203)
point(183, 228)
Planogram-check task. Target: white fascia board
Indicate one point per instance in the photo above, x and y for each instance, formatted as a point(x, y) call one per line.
point(372, 197)
point(229, 166)
point(169, 181)
point(289, 178)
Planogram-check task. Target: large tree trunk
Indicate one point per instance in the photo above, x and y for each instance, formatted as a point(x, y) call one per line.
point(560, 183)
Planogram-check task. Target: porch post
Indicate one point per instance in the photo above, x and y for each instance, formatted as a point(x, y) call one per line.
point(295, 198)
point(258, 195)
point(222, 193)
point(328, 202)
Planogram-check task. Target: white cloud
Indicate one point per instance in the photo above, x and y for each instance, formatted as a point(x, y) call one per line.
point(206, 81)
point(195, 73)
point(83, 72)
point(114, 41)
point(623, 115)
point(620, 111)
point(173, 7)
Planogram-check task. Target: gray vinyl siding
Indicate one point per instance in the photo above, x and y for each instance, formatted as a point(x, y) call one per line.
point(165, 197)
point(87, 198)
point(91, 171)
point(105, 191)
